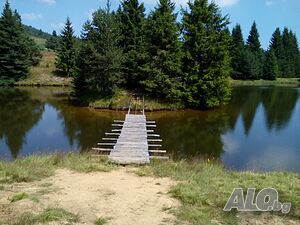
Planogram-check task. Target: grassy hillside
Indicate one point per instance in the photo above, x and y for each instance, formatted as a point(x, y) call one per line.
point(44, 73)
point(41, 42)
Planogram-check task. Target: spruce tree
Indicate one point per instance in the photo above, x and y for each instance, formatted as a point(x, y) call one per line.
point(100, 58)
point(132, 18)
point(163, 49)
point(237, 53)
point(254, 46)
point(206, 61)
point(271, 70)
point(276, 45)
point(66, 58)
point(17, 51)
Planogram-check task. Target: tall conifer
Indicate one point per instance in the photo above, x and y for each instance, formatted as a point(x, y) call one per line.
point(132, 18)
point(237, 53)
point(66, 59)
point(254, 46)
point(17, 51)
point(206, 60)
point(100, 58)
point(163, 48)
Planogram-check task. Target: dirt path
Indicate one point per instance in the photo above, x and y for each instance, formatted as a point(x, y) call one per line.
point(120, 196)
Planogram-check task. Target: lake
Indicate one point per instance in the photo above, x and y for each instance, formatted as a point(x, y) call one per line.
point(258, 130)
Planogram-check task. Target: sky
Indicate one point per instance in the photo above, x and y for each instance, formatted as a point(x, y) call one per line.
point(50, 15)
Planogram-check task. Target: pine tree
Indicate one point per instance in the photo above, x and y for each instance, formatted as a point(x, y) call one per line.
point(163, 47)
point(271, 69)
point(100, 57)
point(254, 46)
point(17, 51)
point(66, 59)
point(295, 55)
point(132, 18)
point(276, 46)
point(207, 61)
point(237, 52)
point(253, 39)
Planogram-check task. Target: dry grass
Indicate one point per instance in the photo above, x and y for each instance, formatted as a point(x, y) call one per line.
point(204, 189)
point(284, 82)
point(37, 167)
point(122, 99)
point(44, 73)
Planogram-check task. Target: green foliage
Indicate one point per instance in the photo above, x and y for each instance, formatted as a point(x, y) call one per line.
point(238, 53)
point(206, 64)
point(53, 41)
point(251, 62)
point(100, 58)
point(17, 51)
point(132, 22)
point(66, 59)
point(271, 69)
point(36, 32)
point(162, 69)
point(254, 54)
point(290, 60)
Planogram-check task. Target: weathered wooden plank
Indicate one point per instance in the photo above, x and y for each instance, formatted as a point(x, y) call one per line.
point(160, 157)
point(151, 122)
point(112, 134)
point(106, 144)
point(157, 151)
point(102, 149)
point(109, 139)
point(153, 135)
point(154, 140)
point(155, 146)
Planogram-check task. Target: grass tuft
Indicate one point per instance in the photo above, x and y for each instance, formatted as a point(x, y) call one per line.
point(48, 215)
point(101, 221)
point(56, 214)
point(19, 197)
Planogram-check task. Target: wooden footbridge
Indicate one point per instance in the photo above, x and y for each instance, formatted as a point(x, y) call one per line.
point(132, 141)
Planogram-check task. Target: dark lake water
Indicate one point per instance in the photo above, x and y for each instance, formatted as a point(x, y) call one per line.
point(258, 130)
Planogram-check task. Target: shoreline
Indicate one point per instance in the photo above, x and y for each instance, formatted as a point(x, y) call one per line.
point(120, 101)
point(182, 192)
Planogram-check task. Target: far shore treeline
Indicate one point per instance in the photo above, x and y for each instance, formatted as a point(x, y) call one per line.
point(187, 61)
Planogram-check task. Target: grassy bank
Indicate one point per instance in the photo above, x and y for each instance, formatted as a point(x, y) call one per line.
point(282, 82)
point(122, 99)
point(202, 188)
point(38, 167)
point(44, 73)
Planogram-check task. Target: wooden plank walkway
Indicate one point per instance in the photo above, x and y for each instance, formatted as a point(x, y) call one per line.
point(132, 144)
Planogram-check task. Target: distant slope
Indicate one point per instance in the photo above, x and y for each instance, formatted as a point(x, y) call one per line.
point(37, 35)
point(36, 32)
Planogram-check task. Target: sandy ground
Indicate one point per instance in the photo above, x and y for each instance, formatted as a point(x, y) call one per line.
point(120, 196)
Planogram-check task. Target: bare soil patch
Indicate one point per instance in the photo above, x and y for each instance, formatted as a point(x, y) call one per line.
point(121, 197)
